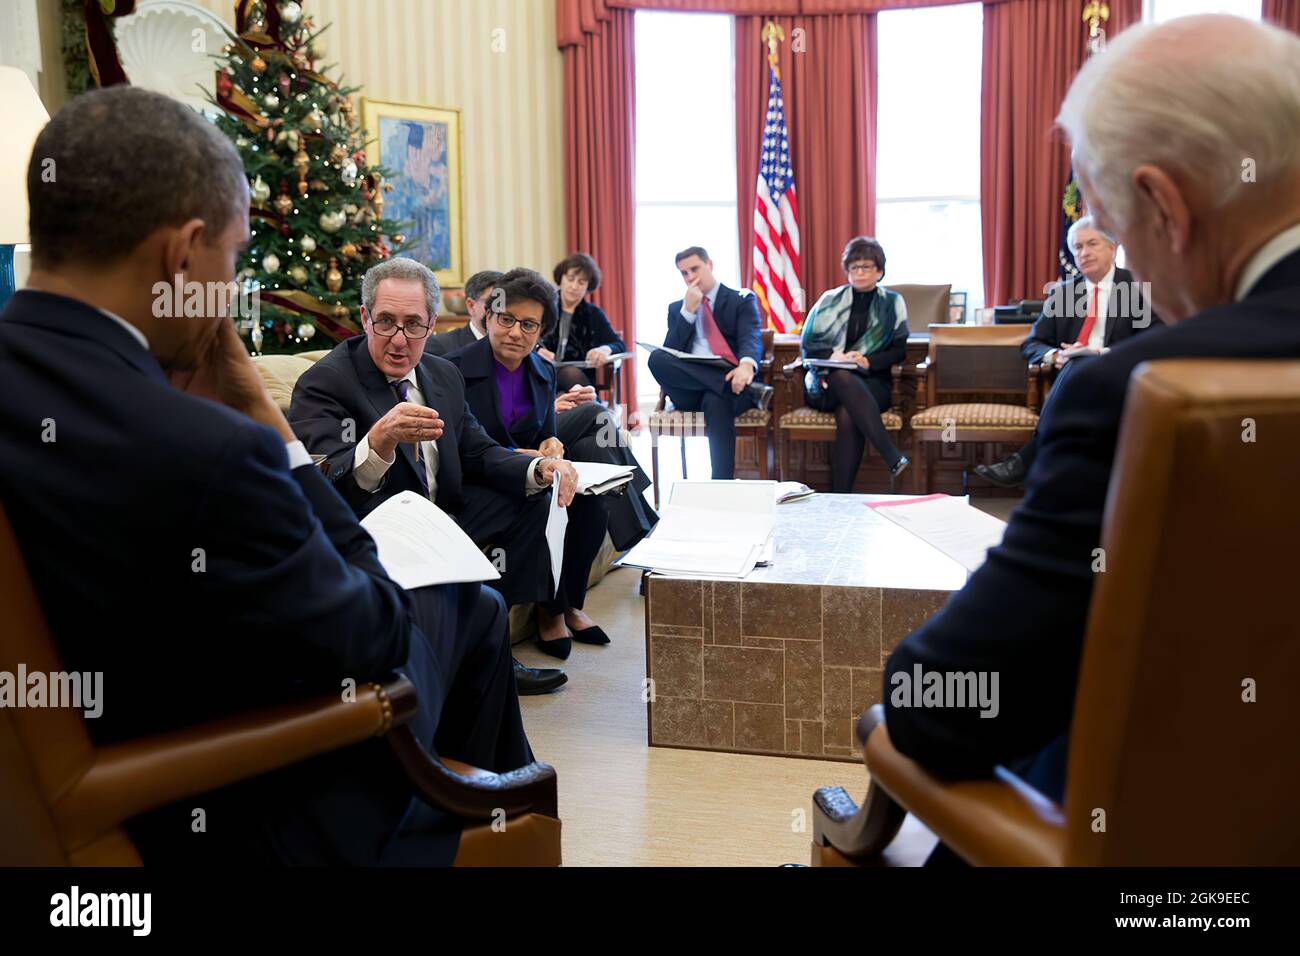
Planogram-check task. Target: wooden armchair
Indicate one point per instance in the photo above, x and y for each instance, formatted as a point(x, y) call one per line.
point(753, 425)
point(1173, 737)
point(65, 799)
point(968, 365)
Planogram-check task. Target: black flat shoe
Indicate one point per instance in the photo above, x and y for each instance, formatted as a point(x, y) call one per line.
point(590, 635)
point(560, 647)
point(899, 468)
point(537, 680)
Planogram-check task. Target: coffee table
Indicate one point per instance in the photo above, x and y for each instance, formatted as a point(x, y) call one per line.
point(783, 662)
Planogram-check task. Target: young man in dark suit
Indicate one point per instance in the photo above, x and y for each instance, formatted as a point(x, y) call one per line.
point(391, 418)
point(1222, 256)
point(712, 320)
point(176, 531)
point(1086, 315)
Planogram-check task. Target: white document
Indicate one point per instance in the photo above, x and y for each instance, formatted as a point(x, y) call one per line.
point(828, 363)
point(788, 491)
point(949, 524)
point(596, 478)
point(557, 523)
point(710, 529)
point(420, 545)
point(689, 356)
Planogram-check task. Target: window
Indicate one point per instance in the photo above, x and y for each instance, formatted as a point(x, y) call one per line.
point(928, 147)
point(1158, 11)
point(685, 161)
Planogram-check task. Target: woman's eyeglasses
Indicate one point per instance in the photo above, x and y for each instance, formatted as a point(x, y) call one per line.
point(861, 268)
point(388, 328)
point(508, 321)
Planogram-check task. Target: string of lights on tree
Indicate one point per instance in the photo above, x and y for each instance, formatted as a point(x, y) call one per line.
point(317, 207)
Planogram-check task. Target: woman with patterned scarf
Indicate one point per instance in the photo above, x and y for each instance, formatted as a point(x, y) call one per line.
point(864, 323)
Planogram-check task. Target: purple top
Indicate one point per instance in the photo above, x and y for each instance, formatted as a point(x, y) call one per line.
point(512, 388)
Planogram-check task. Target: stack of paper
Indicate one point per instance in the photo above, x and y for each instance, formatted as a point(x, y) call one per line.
point(716, 529)
point(583, 363)
point(949, 524)
point(596, 478)
point(788, 491)
point(827, 363)
point(420, 545)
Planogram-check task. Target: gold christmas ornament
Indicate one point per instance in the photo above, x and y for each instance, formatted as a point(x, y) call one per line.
point(260, 190)
point(348, 250)
point(341, 312)
point(333, 278)
point(337, 155)
point(399, 239)
point(306, 331)
point(298, 274)
point(257, 64)
point(317, 186)
point(271, 264)
point(332, 221)
point(283, 204)
point(308, 244)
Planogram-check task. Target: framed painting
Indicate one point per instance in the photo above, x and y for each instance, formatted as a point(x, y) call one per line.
point(420, 146)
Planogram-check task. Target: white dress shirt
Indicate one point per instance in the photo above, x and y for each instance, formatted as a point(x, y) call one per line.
point(700, 344)
point(1270, 254)
point(369, 467)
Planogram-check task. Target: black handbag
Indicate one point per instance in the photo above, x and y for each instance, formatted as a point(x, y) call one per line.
point(816, 390)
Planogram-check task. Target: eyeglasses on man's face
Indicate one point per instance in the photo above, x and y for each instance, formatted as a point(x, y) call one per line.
point(508, 321)
point(412, 329)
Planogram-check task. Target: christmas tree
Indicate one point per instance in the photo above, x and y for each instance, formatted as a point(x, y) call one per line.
point(317, 214)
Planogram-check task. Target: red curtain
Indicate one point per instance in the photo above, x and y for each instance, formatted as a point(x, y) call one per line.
point(830, 99)
point(599, 150)
point(774, 8)
point(1285, 13)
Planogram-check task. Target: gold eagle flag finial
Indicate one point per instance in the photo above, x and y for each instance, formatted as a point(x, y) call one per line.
point(772, 36)
point(1096, 13)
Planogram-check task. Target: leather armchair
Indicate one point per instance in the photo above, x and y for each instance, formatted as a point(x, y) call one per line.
point(65, 799)
point(1193, 613)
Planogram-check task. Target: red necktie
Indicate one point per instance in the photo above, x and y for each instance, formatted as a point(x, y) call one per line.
point(717, 344)
point(1091, 319)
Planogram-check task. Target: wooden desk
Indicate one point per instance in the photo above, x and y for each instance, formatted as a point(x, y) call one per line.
point(785, 661)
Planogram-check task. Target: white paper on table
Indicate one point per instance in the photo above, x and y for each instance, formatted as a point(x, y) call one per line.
point(557, 523)
point(419, 544)
point(694, 559)
point(596, 477)
point(696, 526)
point(747, 497)
point(949, 524)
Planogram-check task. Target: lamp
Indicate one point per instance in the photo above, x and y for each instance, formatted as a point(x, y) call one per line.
point(24, 116)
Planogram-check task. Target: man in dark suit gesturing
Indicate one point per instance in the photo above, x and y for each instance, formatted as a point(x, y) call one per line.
point(1222, 255)
point(177, 533)
point(712, 320)
point(392, 418)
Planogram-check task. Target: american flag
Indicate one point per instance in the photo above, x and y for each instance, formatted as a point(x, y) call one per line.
point(776, 219)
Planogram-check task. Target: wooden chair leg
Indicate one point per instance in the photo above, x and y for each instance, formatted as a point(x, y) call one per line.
point(654, 466)
point(684, 456)
point(760, 443)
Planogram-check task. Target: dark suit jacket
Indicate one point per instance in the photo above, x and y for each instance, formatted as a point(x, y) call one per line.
point(736, 314)
point(475, 363)
point(590, 329)
point(445, 343)
point(345, 385)
point(1045, 559)
point(141, 483)
point(1066, 309)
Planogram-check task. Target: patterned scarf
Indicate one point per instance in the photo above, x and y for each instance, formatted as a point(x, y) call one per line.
point(827, 323)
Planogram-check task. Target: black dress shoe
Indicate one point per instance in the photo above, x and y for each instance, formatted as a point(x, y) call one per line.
point(560, 647)
point(590, 635)
point(760, 393)
point(899, 467)
point(1005, 474)
point(537, 680)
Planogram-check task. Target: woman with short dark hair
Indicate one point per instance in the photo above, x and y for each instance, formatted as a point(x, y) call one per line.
point(864, 323)
point(582, 332)
point(511, 392)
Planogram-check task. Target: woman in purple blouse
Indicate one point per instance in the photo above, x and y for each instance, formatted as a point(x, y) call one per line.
point(511, 391)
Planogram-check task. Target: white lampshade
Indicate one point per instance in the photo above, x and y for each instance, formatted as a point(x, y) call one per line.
point(24, 117)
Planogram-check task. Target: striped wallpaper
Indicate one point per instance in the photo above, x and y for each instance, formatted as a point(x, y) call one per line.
point(440, 53)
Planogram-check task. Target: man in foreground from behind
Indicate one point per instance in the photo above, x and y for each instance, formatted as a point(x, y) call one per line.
point(179, 538)
point(1158, 134)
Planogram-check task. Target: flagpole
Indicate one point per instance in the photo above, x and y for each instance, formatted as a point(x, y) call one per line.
point(1096, 13)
